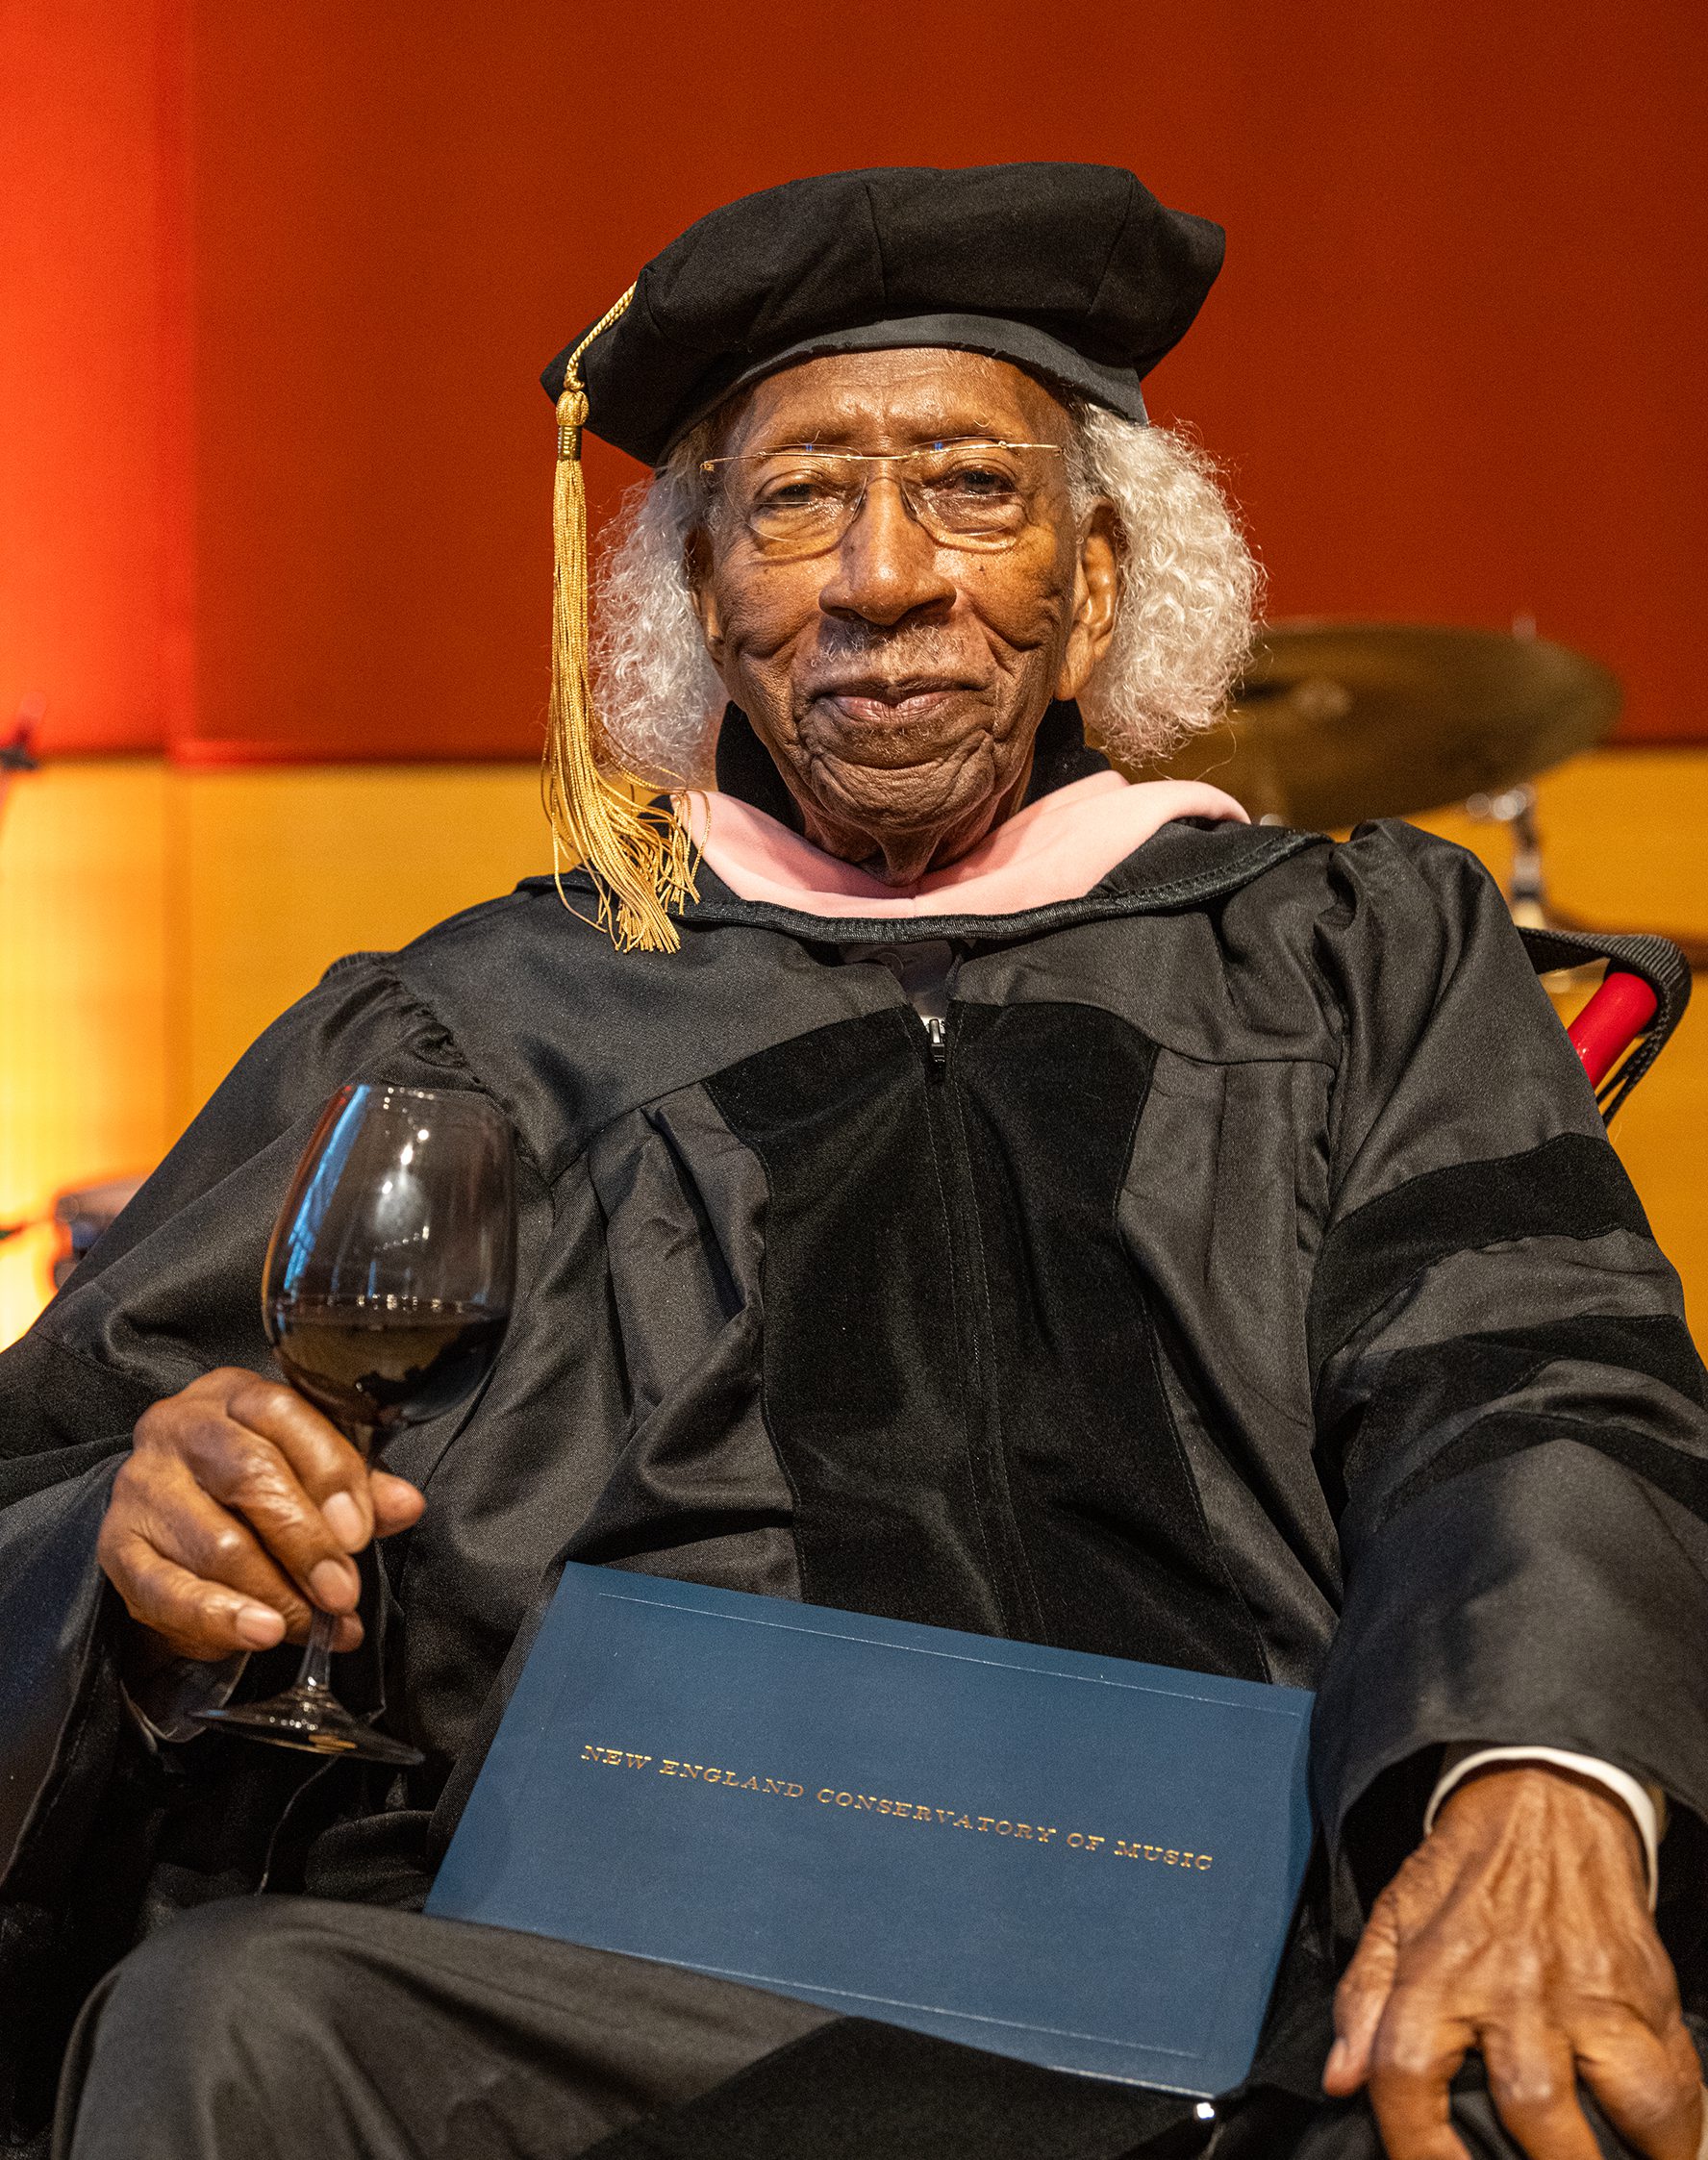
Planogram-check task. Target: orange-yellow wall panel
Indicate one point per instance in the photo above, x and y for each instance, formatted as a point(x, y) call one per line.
point(287, 870)
point(84, 995)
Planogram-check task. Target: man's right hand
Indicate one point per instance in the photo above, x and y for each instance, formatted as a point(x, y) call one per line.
point(237, 1511)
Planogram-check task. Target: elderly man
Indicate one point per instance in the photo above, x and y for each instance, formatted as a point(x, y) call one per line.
point(980, 1191)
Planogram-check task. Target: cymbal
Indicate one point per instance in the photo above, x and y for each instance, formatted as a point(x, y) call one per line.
point(1334, 723)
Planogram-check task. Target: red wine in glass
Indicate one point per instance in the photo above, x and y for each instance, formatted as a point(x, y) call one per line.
point(385, 1292)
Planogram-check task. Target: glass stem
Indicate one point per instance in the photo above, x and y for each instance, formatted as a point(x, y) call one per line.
point(315, 1675)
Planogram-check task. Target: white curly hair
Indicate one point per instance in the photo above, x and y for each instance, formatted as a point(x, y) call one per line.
point(1189, 589)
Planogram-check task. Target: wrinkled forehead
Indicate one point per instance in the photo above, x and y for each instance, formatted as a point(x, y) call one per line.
point(890, 399)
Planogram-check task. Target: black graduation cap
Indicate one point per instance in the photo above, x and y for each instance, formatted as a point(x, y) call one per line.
point(1074, 272)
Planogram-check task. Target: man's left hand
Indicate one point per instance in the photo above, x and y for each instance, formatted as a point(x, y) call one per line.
point(1521, 1929)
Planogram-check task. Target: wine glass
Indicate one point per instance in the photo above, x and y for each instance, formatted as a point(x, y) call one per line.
point(386, 1294)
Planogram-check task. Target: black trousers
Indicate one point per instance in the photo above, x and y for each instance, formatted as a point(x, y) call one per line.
point(291, 2028)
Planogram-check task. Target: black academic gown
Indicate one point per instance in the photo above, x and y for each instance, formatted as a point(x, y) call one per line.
point(1248, 1285)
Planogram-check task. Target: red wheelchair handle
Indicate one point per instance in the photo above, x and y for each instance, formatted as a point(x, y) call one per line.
point(1611, 1022)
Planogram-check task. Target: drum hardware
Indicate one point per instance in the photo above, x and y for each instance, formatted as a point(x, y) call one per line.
point(1527, 891)
point(1515, 807)
point(16, 754)
point(81, 1216)
point(1334, 723)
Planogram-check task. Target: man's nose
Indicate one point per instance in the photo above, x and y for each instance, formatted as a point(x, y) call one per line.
point(887, 564)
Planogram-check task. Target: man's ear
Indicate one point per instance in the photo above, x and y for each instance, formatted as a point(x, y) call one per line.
point(698, 559)
point(1096, 599)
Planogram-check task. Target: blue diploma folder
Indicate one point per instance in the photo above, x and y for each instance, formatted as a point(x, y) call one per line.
point(1080, 1861)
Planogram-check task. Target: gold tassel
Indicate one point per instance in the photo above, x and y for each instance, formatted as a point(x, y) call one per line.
point(639, 853)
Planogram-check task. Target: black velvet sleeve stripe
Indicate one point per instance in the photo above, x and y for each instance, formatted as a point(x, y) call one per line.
point(1653, 1344)
point(1437, 1383)
point(1682, 1477)
point(1571, 1187)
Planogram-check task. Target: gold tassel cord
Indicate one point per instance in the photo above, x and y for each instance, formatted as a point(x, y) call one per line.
point(638, 851)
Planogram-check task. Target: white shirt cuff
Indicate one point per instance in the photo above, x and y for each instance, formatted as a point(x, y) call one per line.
point(1647, 1803)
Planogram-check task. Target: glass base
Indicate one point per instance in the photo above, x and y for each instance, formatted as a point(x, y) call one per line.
point(309, 1720)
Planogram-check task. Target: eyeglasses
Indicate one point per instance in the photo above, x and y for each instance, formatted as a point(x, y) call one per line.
point(969, 493)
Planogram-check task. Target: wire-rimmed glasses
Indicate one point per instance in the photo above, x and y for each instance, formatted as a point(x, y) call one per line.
point(968, 494)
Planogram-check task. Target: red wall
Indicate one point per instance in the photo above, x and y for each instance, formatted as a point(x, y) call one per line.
point(296, 268)
point(93, 430)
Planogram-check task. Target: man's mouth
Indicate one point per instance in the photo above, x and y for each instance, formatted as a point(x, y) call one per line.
point(876, 701)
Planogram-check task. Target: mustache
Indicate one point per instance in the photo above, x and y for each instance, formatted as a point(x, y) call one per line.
point(906, 644)
point(860, 659)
